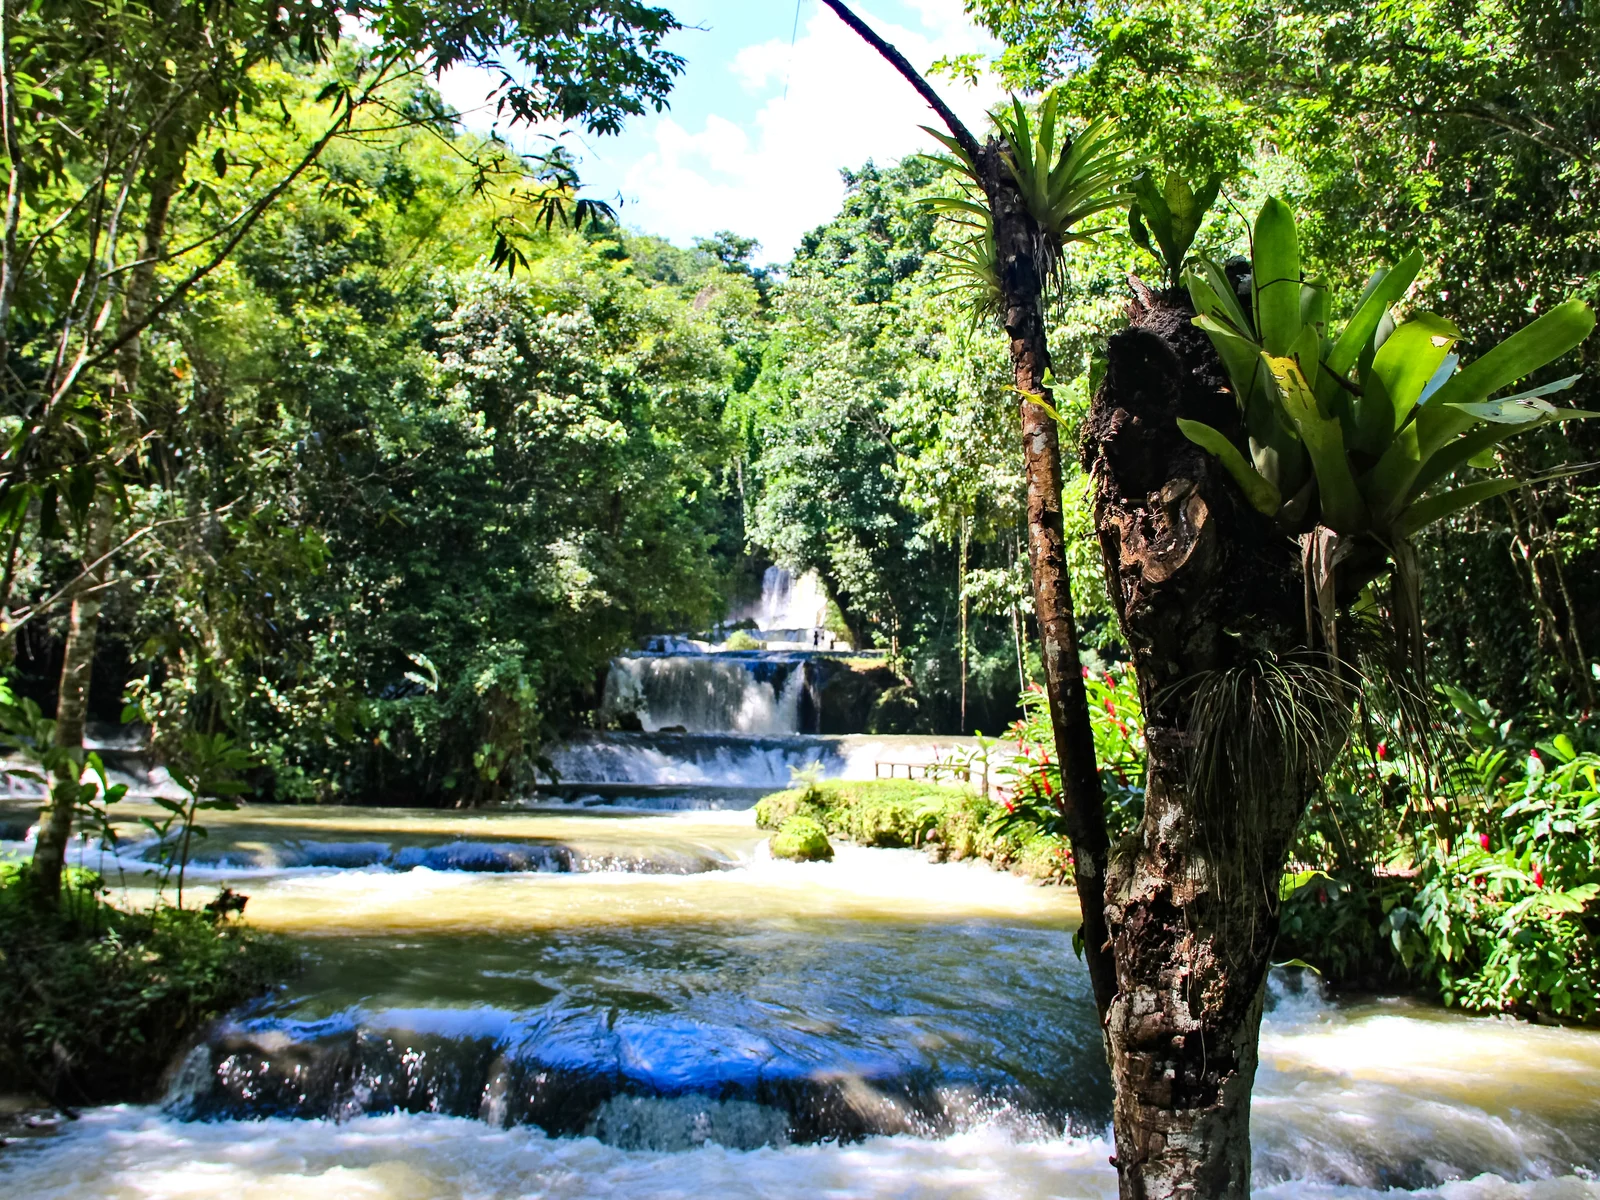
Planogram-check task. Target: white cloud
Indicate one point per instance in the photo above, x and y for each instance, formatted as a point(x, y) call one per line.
point(766, 162)
point(775, 175)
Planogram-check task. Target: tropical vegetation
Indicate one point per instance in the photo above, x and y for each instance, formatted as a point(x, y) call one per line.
point(343, 448)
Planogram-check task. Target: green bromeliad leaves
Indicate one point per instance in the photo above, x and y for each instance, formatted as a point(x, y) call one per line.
point(1379, 413)
point(1259, 490)
point(1171, 212)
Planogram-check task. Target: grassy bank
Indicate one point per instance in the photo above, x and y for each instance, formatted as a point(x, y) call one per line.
point(952, 823)
point(96, 1002)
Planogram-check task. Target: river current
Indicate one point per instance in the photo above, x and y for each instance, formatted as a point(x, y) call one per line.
point(614, 991)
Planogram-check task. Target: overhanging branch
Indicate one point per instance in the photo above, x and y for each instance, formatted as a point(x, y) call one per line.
point(960, 132)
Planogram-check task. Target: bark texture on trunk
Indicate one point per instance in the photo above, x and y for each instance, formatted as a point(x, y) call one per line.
point(1016, 239)
point(1204, 586)
point(72, 705)
point(83, 628)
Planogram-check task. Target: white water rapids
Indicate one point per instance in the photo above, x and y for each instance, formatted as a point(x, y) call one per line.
point(1385, 1098)
point(616, 992)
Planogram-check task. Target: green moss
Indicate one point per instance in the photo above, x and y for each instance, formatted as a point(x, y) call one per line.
point(802, 839)
point(952, 822)
point(95, 1002)
point(742, 641)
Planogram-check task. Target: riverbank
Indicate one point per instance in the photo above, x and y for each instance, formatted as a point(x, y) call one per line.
point(951, 822)
point(96, 1001)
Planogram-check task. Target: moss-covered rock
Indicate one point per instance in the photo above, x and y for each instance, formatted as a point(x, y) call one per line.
point(802, 839)
point(951, 822)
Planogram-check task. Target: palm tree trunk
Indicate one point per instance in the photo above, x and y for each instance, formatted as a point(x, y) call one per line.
point(1206, 589)
point(1015, 239)
point(1047, 558)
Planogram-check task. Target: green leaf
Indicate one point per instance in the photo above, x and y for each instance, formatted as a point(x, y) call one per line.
point(1533, 346)
point(1241, 357)
point(1402, 367)
point(1446, 504)
point(1173, 213)
point(50, 527)
point(1343, 509)
point(1314, 302)
point(1523, 407)
point(1384, 289)
point(1261, 493)
point(1276, 279)
point(1213, 296)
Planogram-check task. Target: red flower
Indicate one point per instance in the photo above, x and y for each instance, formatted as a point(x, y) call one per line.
point(1110, 680)
point(1045, 780)
point(1538, 877)
point(1383, 751)
point(1483, 839)
point(1085, 671)
point(1010, 807)
point(1111, 706)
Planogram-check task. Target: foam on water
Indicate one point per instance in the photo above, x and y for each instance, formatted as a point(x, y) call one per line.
point(721, 760)
point(137, 1154)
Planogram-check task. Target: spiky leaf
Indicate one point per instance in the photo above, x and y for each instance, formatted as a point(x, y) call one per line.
point(1436, 508)
point(1343, 509)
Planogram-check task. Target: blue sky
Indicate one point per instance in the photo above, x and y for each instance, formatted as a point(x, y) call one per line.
point(758, 129)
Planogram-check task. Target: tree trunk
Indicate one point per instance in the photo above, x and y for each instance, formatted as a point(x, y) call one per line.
point(1206, 590)
point(961, 595)
point(72, 705)
point(77, 663)
point(1015, 238)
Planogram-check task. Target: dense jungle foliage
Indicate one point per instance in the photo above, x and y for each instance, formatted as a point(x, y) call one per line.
point(95, 1001)
point(414, 463)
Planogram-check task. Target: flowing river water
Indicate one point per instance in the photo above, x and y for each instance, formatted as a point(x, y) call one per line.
point(617, 992)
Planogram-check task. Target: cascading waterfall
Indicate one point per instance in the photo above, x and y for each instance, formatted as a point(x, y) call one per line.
point(576, 997)
point(752, 693)
point(789, 609)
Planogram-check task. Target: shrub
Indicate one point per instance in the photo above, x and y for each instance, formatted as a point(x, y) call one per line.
point(1031, 783)
point(1493, 904)
point(953, 822)
point(742, 640)
point(802, 839)
point(95, 1001)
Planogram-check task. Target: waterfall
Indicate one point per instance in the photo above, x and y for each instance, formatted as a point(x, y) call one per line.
point(790, 608)
point(765, 694)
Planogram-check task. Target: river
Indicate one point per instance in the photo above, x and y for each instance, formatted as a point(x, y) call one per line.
point(614, 991)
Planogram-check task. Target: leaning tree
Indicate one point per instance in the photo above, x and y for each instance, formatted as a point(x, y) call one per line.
point(1259, 476)
point(113, 216)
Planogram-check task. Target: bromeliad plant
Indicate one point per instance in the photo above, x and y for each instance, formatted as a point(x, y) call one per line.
point(1357, 431)
point(1171, 213)
point(1062, 180)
